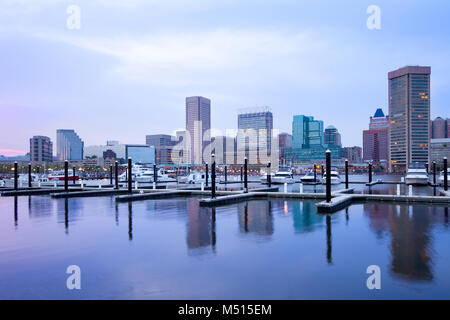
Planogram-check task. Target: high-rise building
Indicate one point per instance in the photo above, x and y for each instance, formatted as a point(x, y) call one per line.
point(198, 125)
point(409, 117)
point(308, 141)
point(439, 148)
point(69, 146)
point(375, 140)
point(439, 128)
point(285, 144)
point(41, 149)
point(332, 137)
point(224, 149)
point(163, 144)
point(352, 154)
point(254, 138)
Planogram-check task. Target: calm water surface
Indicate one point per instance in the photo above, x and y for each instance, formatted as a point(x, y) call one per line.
point(173, 249)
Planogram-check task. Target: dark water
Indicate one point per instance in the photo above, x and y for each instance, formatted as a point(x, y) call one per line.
point(257, 250)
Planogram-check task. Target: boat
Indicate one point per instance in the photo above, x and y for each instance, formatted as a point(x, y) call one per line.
point(196, 177)
point(441, 178)
point(58, 175)
point(146, 176)
point(334, 177)
point(282, 176)
point(416, 174)
point(309, 178)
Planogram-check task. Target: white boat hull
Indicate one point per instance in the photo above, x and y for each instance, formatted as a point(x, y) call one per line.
point(333, 181)
point(417, 181)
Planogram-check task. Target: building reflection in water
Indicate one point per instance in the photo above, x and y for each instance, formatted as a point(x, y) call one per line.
point(201, 224)
point(411, 241)
point(305, 217)
point(256, 217)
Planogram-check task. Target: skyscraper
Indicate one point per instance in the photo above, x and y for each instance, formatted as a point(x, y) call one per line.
point(198, 125)
point(163, 144)
point(41, 149)
point(375, 140)
point(285, 143)
point(332, 137)
point(439, 128)
point(254, 136)
point(69, 146)
point(409, 117)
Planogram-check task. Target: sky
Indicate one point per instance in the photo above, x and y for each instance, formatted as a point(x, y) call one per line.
point(126, 72)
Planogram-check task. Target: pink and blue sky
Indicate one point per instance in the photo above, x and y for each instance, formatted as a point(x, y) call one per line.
point(127, 71)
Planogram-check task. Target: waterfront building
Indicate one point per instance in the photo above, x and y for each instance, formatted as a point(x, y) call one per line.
point(198, 125)
point(439, 128)
point(69, 146)
point(41, 149)
point(285, 144)
point(137, 152)
point(375, 140)
point(163, 144)
point(308, 141)
point(254, 138)
point(409, 117)
point(332, 137)
point(352, 154)
point(439, 148)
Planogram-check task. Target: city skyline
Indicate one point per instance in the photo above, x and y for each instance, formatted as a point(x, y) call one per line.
point(285, 61)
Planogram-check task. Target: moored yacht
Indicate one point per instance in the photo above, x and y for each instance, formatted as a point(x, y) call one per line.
point(334, 177)
point(416, 174)
point(309, 178)
point(282, 176)
point(58, 175)
point(441, 178)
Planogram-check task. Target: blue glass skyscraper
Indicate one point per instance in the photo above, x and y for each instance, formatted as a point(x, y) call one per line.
point(69, 146)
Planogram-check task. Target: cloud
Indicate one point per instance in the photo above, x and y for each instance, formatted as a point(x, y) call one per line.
point(196, 57)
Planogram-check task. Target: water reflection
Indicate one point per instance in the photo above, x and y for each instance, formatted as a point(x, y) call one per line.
point(16, 217)
point(130, 220)
point(305, 217)
point(201, 225)
point(329, 244)
point(409, 228)
point(255, 217)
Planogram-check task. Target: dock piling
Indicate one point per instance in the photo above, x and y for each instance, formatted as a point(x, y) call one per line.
point(346, 174)
point(315, 173)
point(434, 173)
point(16, 175)
point(73, 175)
point(206, 175)
point(213, 176)
point(445, 174)
point(116, 174)
point(130, 176)
point(269, 175)
point(245, 175)
point(410, 190)
point(29, 175)
point(370, 172)
point(328, 180)
point(226, 174)
point(66, 175)
point(155, 174)
point(301, 187)
point(398, 189)
point(110, 174)
point(285, 187)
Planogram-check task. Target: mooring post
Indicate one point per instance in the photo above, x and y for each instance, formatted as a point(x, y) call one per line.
point(370, 172)
point(116, 174)
point(269, 174)
point(16, 175)
point(206, 175)
point(322, 171)
point(213, 176)
point(226, 174)
point(29, 175)
point(130, 176)
point(242, 174)
point(346, 174)
point(66, 175)
point(328, 178)
point(110, 174)
point(398, 189)
point(427, 167)
point(410, 190)
point(245, 175)
point(155, 174)
point(434, 173)
point(445, 174)
point(73, 175)
point(315, 173)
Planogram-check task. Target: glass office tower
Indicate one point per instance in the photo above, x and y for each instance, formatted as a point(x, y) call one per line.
point(409, 116)
point(69, 146)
